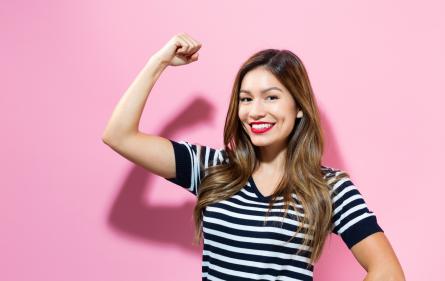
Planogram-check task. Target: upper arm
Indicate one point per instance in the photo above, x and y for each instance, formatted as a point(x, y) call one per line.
point(179, 162)
point(375, 254)
point(151, 152)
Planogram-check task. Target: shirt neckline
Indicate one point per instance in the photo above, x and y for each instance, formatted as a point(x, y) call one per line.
point(257, 191)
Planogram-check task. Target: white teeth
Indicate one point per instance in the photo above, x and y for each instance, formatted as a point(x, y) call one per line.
point(262, 126)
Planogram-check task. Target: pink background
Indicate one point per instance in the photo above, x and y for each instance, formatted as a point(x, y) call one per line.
point(73, 209)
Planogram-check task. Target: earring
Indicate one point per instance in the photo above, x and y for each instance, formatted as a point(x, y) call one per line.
point(300, 114)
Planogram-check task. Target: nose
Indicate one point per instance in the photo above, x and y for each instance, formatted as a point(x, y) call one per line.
point(257, 109)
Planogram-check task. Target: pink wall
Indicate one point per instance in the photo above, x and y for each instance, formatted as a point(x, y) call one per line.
point(72, 209)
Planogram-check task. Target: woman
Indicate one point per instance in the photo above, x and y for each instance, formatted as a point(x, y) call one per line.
point(265, 204)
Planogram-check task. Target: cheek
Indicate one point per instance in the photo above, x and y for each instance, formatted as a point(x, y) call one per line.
point(288, 111)
point(242, 114)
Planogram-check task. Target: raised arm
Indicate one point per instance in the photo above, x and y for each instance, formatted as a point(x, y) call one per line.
point(122, 133)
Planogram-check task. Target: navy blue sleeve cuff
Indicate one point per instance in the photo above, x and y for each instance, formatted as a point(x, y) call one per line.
point(183, 164)
point(360, 231)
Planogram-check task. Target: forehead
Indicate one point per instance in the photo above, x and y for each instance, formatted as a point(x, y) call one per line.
point(260, 79)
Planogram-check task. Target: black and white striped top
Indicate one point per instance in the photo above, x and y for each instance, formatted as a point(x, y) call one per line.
point(239, 246)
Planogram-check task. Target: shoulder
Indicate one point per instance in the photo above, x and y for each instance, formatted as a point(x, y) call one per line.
point(331, 172)
point(334, 176)
point(213, 153)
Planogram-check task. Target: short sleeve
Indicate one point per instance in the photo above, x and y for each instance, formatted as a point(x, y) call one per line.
point(352, 219)
point(191, 162)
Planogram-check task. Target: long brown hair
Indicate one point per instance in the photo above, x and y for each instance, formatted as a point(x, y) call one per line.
point(302, 175)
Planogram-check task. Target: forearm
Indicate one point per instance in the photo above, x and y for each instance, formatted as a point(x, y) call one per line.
point(127, 113)
point(379, 276)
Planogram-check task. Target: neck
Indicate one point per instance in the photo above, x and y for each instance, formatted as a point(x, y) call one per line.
point(272, 159)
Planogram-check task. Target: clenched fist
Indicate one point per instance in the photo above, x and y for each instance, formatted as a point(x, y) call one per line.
point(180, 49)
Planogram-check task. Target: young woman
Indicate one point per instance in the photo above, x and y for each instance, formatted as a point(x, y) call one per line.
point(265, 203)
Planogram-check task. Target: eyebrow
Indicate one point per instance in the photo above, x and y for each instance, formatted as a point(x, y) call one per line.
point(263, 91)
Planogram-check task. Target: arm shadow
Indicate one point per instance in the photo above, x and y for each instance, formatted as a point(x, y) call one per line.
point(160, 224)
point(336, 261)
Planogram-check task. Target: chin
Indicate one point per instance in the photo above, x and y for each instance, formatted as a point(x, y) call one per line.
point(260, 143)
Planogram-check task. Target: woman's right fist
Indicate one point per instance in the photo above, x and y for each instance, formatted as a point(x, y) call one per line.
point(180, 49)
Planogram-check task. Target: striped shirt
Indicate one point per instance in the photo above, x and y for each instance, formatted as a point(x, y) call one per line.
point(239, 245)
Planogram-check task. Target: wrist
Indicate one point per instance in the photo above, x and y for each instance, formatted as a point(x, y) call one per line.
point(156, 60)
point(155, 66)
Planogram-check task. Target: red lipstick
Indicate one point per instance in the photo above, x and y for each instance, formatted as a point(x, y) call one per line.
point(262, 129)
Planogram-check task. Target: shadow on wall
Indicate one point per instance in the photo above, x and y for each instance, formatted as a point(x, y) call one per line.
point(130, 215)
point(336, 261)
point(160, 224)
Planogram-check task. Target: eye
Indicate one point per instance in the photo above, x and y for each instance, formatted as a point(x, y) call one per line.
point(242, 99)
point(273, 97)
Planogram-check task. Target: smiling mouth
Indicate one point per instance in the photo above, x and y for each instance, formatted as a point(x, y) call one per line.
point(262, 129)
point(261, 123)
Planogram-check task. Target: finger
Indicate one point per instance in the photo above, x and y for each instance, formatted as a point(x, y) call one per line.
point(188, 44)
point(181, 43)
point(193, 43)
point(194, 57)
point(196, 45)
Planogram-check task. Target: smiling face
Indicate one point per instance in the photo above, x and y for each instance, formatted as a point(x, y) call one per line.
point(263, 98)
